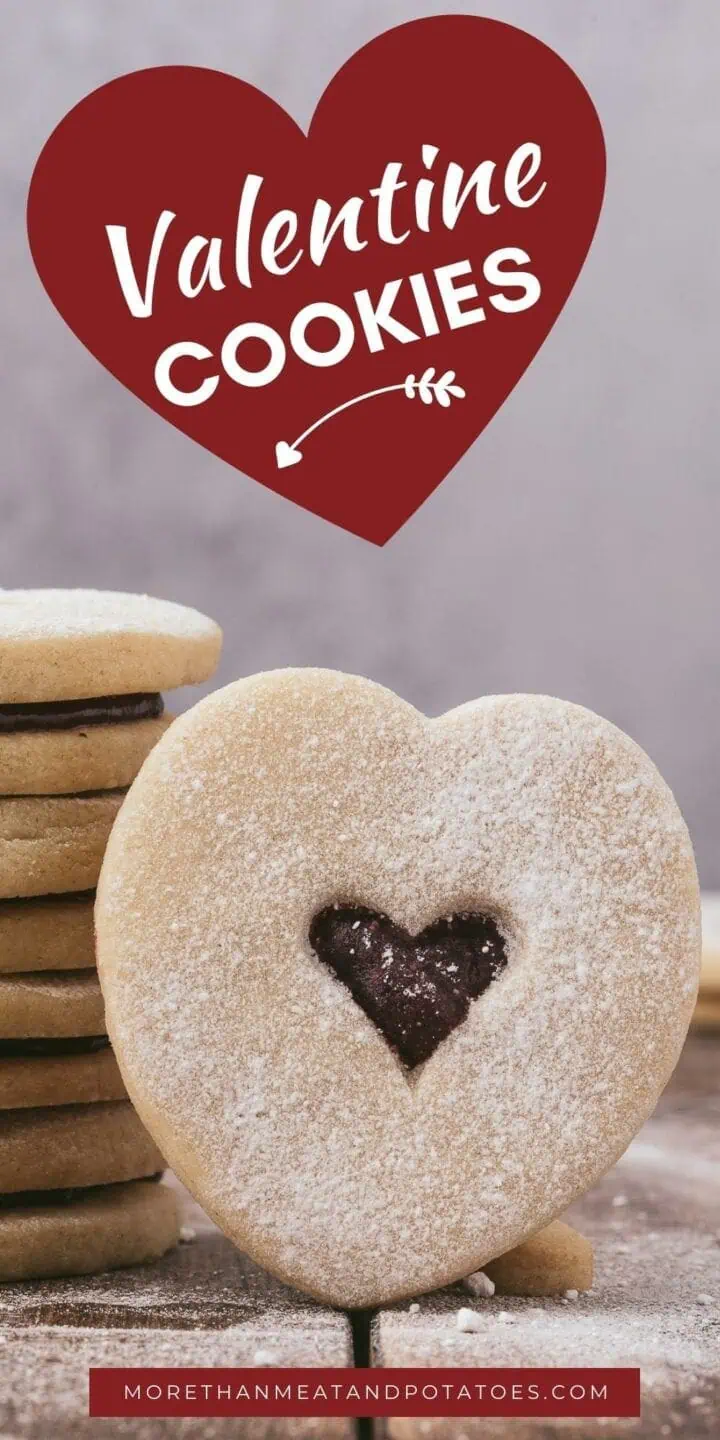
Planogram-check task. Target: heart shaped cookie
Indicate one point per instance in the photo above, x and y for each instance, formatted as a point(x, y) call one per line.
point(349, 1169)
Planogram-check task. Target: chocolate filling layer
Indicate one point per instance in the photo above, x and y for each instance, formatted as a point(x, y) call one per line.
point(53, 1045)
point(76, 714)
point(48, 901)
point(59, 1197)
point(416, 988)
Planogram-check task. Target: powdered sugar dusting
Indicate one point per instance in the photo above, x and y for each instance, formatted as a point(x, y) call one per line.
point(270, 1091)
point(73, 644)
point(52, 614)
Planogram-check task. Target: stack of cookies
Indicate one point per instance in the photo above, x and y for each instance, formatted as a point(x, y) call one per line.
point(80, 708)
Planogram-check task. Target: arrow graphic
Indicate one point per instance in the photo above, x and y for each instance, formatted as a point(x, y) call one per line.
point(426, 387)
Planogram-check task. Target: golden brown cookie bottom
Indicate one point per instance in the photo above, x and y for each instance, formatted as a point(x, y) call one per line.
point(47, 932)
point(116, 1225)
point(710, 971)
point(50, 844)
point(32, 1081)
point(557, 1259)
point(706, 1015)
point(69, 762)
point(66, 1146)
point(58, 644)
point(66, 1003)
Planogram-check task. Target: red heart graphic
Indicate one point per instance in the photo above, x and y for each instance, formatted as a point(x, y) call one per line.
point(415, 296)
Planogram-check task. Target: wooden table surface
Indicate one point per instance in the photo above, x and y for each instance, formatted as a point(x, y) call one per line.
point(655, 1222)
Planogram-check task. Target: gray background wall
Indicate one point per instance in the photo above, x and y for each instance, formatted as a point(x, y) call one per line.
point(573, 551)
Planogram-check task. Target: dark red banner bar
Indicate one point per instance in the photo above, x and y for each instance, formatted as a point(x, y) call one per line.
point(407, 1392)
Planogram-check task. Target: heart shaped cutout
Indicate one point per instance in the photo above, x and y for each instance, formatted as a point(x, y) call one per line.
point(416, 989)
point(337, 315)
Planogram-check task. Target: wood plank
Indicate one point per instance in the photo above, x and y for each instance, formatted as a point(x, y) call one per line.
point(207, 1304)
point(655, 1223)
point(203, 1304)
point(44, 1380)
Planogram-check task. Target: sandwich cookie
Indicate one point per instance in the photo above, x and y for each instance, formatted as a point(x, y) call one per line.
point(81, 673)
point(70, 746)
point(392, 992)
point(92, 1230)
point(47, 932)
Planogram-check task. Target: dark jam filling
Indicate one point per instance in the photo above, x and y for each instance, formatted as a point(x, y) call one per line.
point(53, 1045)
point(59, 1197)
point(415, 988)
point(77, 714)
point(40, 902)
